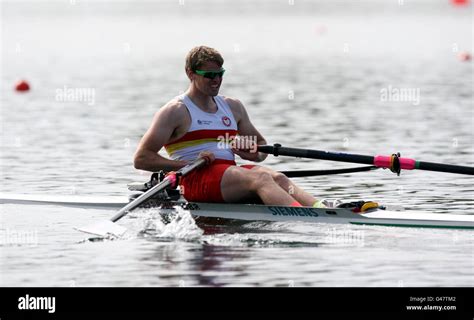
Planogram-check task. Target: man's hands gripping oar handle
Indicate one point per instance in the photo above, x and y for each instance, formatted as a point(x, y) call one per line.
point(394, 162)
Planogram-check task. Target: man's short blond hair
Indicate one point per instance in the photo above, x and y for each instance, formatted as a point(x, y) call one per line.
point(199, 55)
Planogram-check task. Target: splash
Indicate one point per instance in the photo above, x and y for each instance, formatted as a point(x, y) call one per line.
point(175, 224)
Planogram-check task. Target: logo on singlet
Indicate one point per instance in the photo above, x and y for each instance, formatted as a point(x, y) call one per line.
point(204, 122)
point(226, 121)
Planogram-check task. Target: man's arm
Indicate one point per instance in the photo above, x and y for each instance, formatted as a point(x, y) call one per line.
point(164, 123)
point(247, 131)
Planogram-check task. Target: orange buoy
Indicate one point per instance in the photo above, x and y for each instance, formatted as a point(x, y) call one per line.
point(22, 86)
point(464, 56)
point(460, 2)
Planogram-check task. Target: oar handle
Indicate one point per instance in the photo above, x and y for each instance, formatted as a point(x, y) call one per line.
point(393, 162)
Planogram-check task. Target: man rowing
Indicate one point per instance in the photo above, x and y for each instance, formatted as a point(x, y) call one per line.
point(200, 123)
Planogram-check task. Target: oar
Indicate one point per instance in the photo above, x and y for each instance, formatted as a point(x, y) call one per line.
point(394, 162)
point(108, 227)
point(312, 173)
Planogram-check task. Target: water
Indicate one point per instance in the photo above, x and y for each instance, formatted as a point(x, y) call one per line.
point(310, 75)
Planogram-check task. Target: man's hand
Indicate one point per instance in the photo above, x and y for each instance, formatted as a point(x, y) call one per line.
point(246, 148)
point(209, 156)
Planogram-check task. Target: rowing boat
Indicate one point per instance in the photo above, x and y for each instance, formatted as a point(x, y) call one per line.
point(157, 194)
point(255, 212)
point(377, 216)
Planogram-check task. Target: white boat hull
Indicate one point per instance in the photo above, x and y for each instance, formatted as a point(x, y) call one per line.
point(254, 212)
point(379, 217)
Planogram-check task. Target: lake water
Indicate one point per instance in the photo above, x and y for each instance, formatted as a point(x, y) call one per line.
point(321, 75)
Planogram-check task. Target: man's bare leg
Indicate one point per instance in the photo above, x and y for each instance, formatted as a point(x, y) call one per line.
point(240, 184)
point(292, 189)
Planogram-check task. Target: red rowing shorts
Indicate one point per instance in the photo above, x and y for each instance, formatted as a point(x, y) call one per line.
point(204, 185)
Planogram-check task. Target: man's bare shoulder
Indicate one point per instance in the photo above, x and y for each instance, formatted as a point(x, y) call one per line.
point(174, 107)
point(235, 105)
point(172, 112)
point(233, 102)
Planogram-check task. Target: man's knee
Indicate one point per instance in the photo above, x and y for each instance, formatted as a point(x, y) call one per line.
point(259, 179)
point(278, 177)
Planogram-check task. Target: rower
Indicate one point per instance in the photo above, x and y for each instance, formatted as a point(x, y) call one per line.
point(201, 123)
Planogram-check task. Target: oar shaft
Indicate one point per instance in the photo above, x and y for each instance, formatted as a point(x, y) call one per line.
point(316, 154)
point(410, 164)
point(439, 167)
point(378, 161)
point(312, 173)
point(141, 199)
point(166, 183)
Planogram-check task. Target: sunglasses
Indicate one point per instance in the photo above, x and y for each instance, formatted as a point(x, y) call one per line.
point(210, 74)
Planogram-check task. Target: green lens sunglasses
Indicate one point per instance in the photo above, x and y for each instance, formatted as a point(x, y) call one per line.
point(210, 74)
